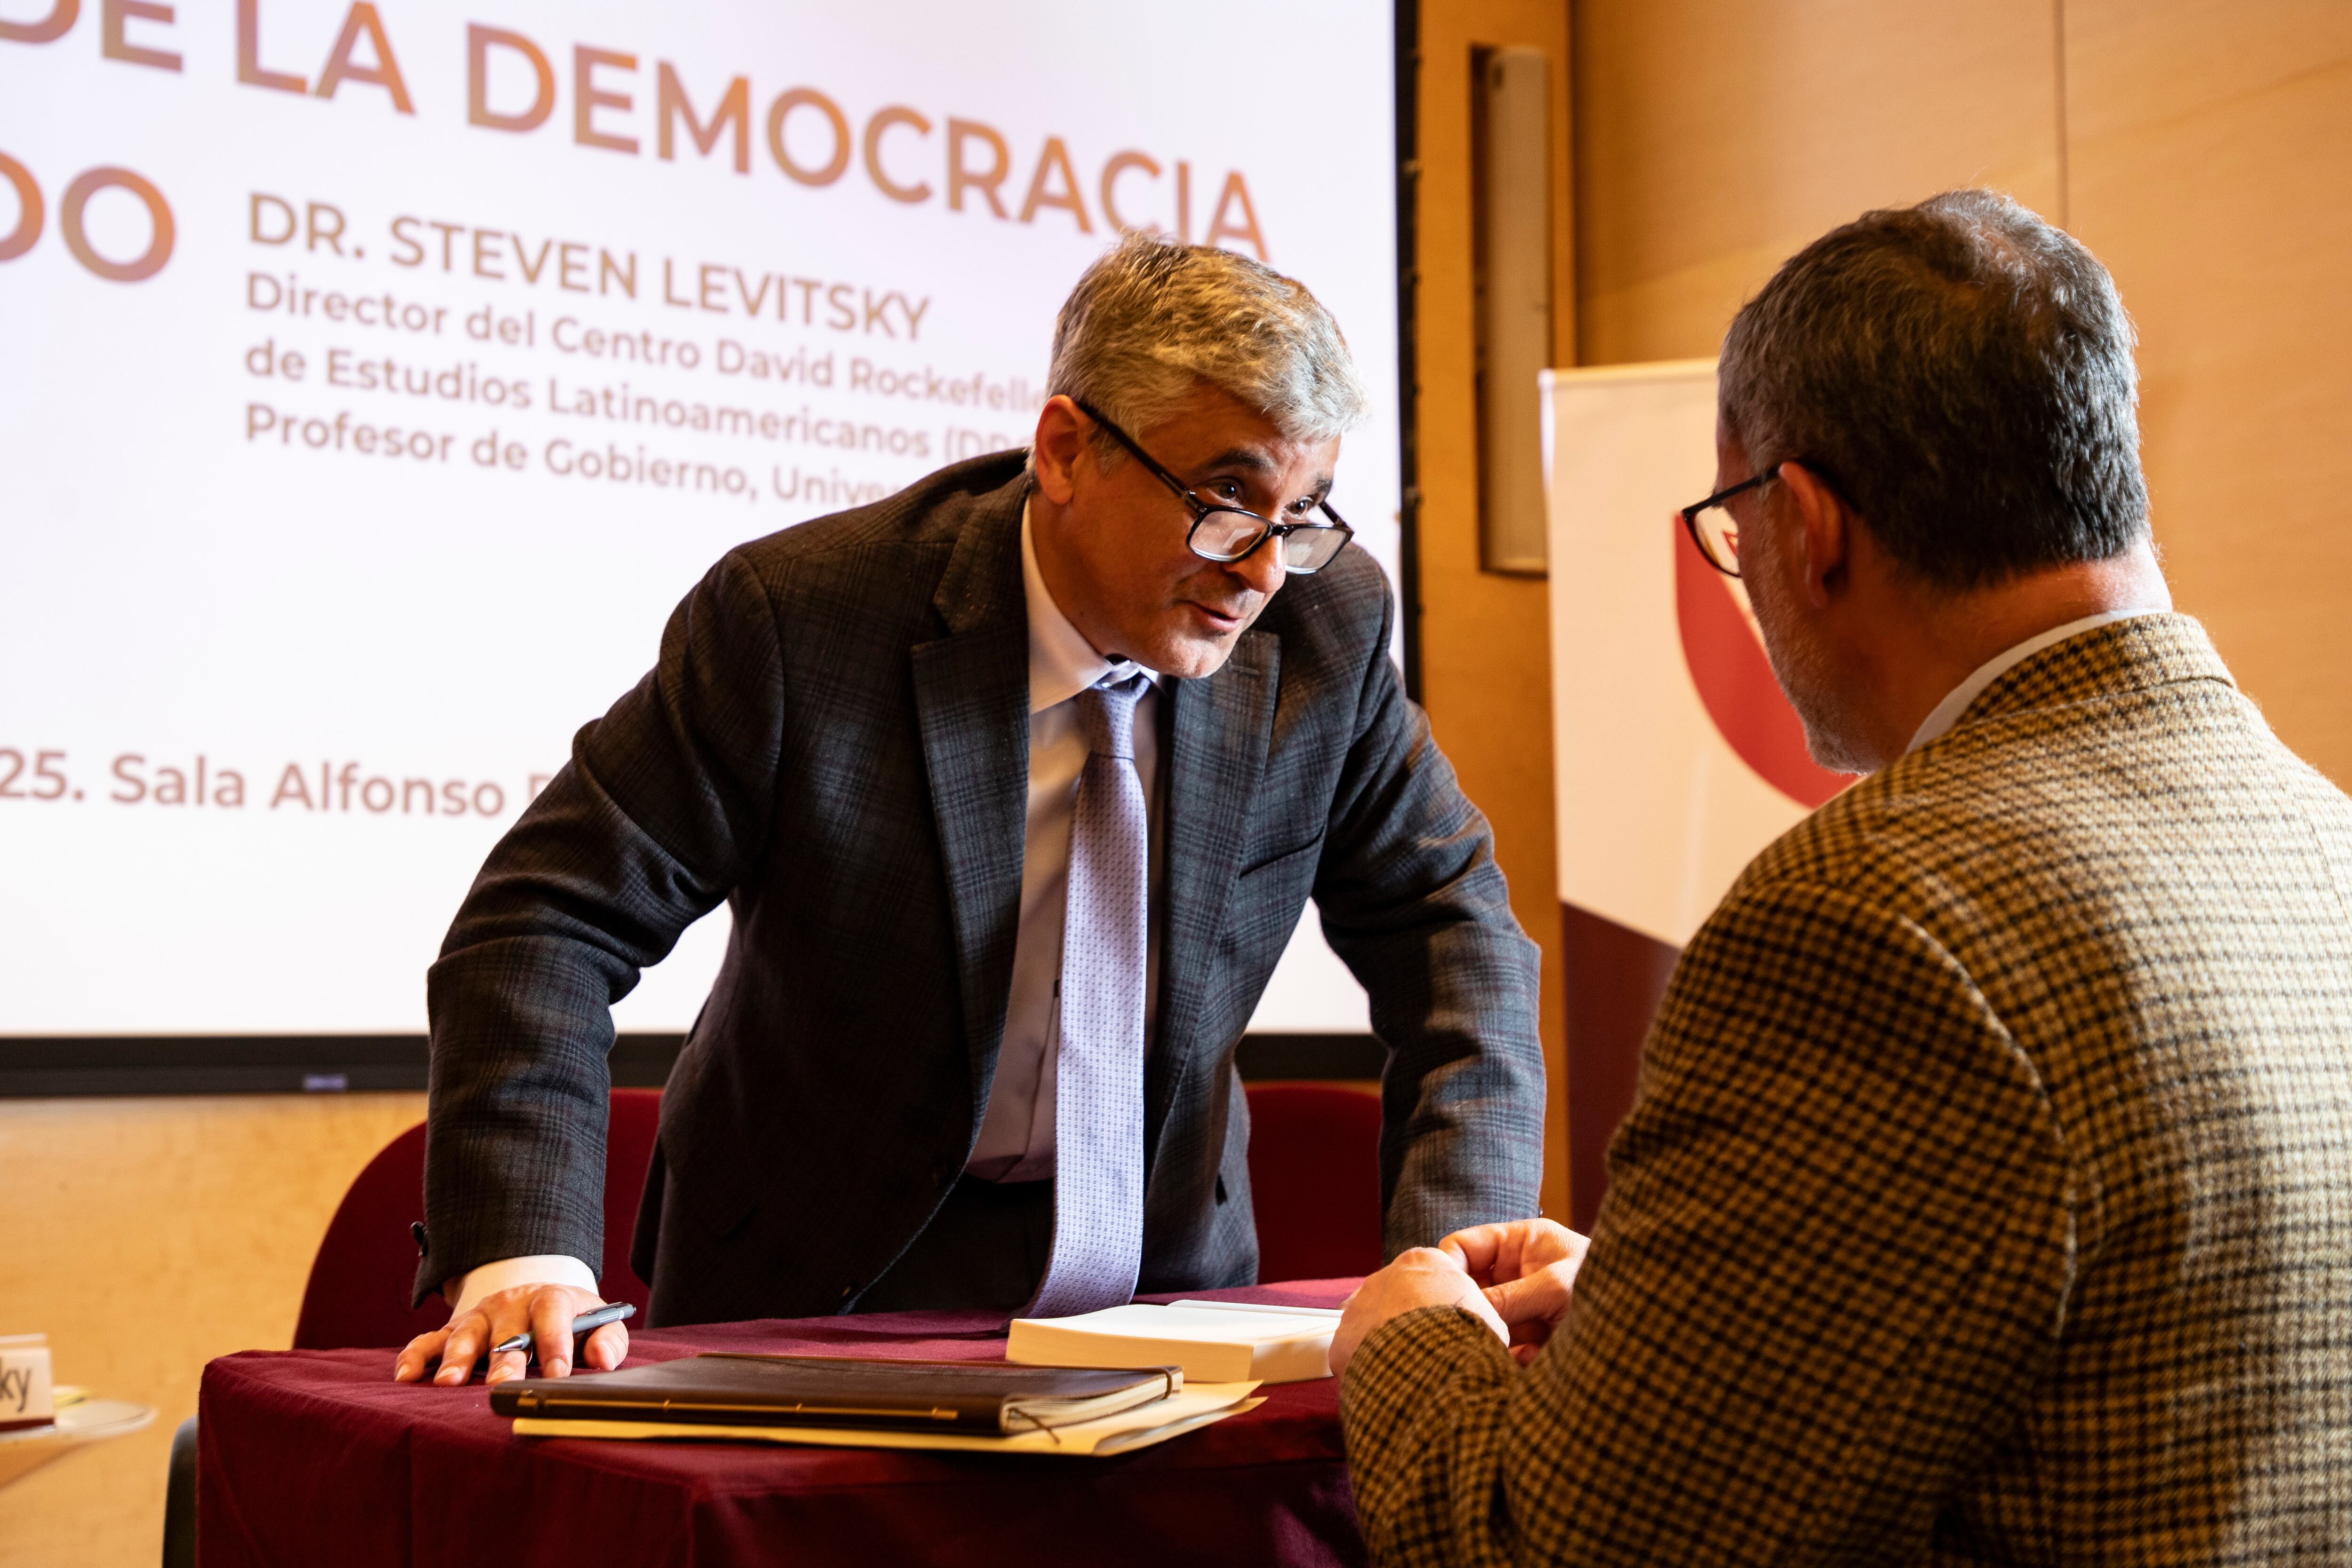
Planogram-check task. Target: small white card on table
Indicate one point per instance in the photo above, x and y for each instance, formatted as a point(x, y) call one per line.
point(25, 1400)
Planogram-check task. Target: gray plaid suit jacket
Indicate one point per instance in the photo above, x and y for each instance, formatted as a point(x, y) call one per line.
point(835, 741)
point(1988, 1197)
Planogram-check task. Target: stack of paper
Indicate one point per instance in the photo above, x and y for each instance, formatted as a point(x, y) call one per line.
point(864, 1403)
point(981, 1398)
point(1195, 1405)
point(1213, 1342)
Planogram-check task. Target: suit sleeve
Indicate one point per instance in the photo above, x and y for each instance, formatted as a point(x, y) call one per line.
point(1414, 904)
point(663, 806)
point(1835, 1251)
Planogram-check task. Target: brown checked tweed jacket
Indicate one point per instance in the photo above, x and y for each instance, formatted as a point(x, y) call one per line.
point(1988, 1194)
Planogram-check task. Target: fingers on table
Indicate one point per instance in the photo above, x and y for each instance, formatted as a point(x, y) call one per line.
point(606, 1348)
point(467, 1337)
point(550, 1331)
point(419, 1354)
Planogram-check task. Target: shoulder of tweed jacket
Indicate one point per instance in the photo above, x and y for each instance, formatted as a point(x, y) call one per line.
point(1987, 1195)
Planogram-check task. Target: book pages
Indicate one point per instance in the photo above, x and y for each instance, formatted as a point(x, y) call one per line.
point(1212, 1342)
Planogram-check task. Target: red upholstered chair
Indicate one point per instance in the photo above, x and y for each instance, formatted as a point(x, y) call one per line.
point(1314, 1177)
point(1315, 1180)
point(360, 1282)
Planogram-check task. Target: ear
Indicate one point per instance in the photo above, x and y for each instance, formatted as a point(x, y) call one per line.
point(1826, 524)
point(1061, 440)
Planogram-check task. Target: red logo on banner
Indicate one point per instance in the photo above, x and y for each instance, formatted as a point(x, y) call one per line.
point(1727, 661)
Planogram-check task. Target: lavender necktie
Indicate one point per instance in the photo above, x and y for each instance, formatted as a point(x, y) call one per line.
point(1098, 1075)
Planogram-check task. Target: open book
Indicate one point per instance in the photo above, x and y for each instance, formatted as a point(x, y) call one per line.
point(1213, 1342)
point(804, 1391)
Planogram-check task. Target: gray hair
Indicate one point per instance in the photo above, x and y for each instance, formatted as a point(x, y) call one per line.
point(1961, 372)
point(1153, 319)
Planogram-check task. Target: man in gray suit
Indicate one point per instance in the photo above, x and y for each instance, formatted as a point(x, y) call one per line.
point(1016, 784)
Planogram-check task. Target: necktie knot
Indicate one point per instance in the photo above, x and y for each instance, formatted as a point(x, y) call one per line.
point(1107, 713)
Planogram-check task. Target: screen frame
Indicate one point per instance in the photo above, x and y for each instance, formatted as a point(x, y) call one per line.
point(75, 1066)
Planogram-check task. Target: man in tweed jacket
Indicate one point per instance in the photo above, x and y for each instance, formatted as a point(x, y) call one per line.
point(860, 735)
point(1987, 1197)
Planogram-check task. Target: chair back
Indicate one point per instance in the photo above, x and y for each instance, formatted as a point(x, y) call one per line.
point(360, 1282)
point(1315, 1180)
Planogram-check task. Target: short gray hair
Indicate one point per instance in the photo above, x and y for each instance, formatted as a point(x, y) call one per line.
point(1961, 372)
point(1151, 318)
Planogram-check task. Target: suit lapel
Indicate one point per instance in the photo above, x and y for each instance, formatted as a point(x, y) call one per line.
point(971, 702)
point(1222, 728)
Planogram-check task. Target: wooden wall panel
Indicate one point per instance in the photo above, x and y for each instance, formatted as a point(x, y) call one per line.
point(2211, 165)
point(1713, 140)
point(1486, 639)
point(2201, 148)
point(144, 1238)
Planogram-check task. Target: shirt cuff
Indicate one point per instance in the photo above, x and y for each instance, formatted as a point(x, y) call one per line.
point(547, 1268)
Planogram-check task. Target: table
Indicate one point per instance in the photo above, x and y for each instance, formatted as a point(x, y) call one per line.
point(317, 1456)
point(79, 1425)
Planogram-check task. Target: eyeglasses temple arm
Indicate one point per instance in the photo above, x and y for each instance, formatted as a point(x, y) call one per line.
point(1140, 456)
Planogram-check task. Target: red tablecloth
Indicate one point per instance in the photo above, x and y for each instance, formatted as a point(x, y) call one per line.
point(312, 1456)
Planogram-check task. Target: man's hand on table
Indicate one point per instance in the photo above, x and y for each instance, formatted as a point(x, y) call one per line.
point(1515, 1277)
point(546, 1310)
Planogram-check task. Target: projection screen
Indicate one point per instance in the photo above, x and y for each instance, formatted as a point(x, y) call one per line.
point(374, 379)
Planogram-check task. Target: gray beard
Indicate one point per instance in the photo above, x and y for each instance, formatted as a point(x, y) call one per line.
point(1807, 679)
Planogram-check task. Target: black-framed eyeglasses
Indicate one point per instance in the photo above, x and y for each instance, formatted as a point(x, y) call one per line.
point(1227, 534)
point(1714, 530)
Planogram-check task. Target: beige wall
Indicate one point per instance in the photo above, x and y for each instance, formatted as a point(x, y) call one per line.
point(146, 1236)
point(2203, 149)
point(2210, 163)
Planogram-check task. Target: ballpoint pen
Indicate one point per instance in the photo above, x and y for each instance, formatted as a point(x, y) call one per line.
point(594, 1318)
